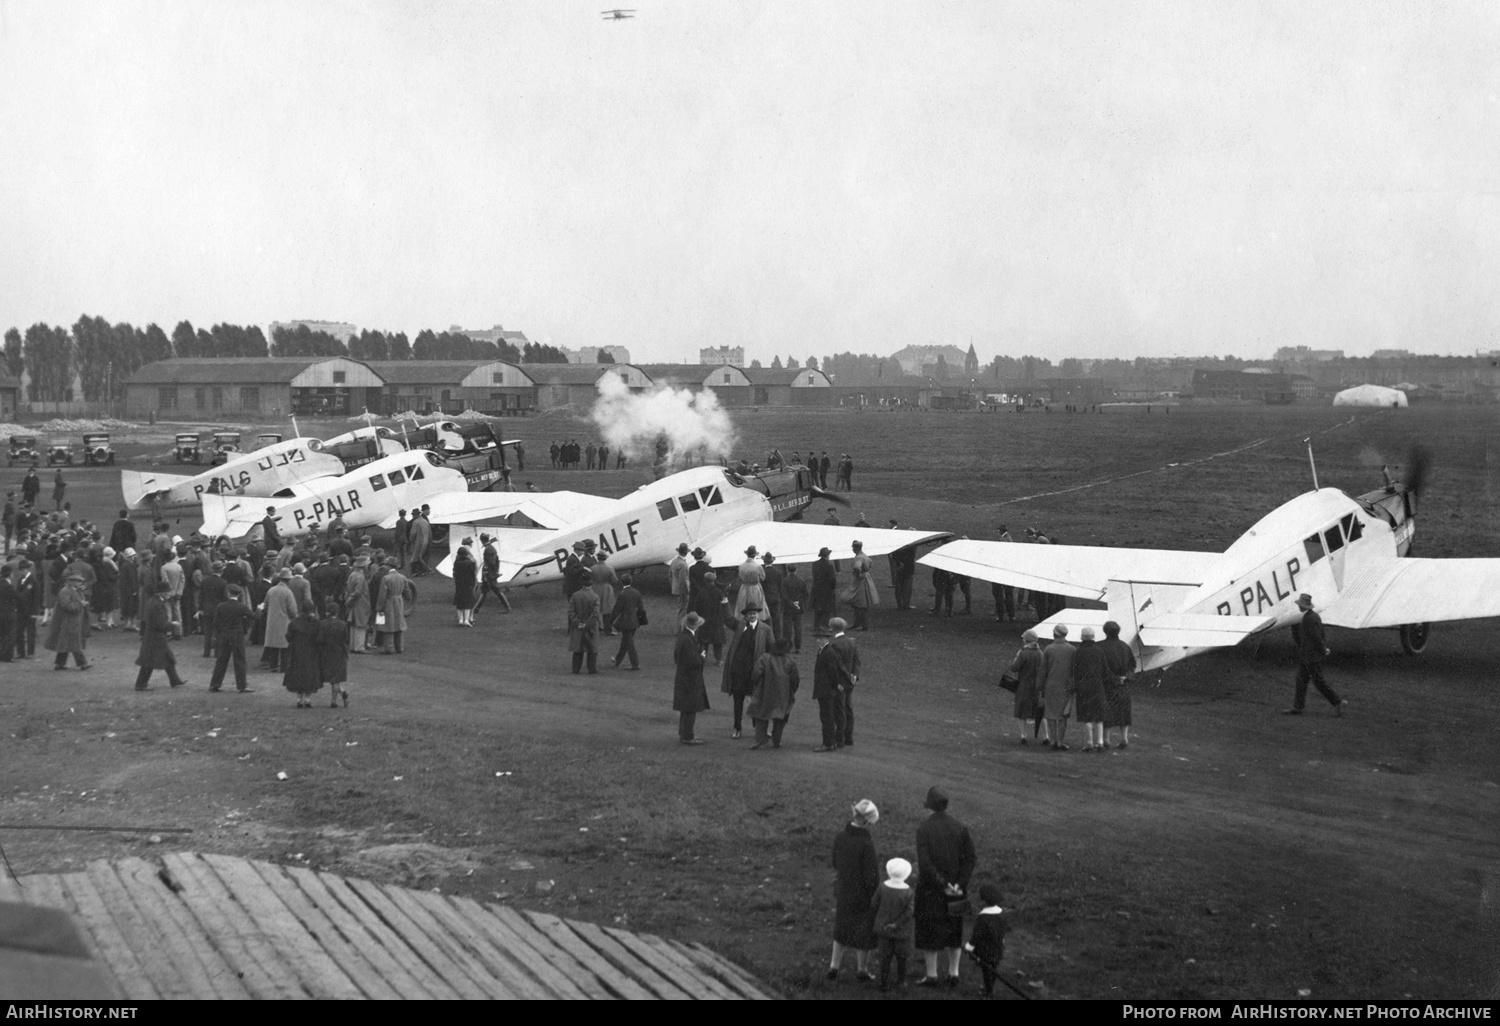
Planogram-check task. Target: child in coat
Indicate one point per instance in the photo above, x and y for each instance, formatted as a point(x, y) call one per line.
point(894, 904)
point(987, 941)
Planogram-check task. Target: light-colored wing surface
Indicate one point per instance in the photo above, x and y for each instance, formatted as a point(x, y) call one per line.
point(1082, 571)
point(1199, 630)
point(135, 485)
point(549, 509)
point(1392, 592)
point(799, 543)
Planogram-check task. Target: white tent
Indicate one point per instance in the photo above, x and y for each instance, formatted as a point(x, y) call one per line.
point(1370, 395)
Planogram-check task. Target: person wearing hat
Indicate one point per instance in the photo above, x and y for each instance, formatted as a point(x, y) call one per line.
point(1004, 594)
point(395, 592)
point(156, 634)
point(793, 602)
point(8, 520)
point(712, 607)
point(857, 875)
point(945, 860)
point(357, 604)
point(689, 695)
point(987, 939)
point(230, 619)
point(1057, 686)
point(268, 530)
point(628, 614)
point(1121, 662)
point(583, 629)
point(1026, 668)
point(677, 574)
point(421, 540)
point(894, 904)
point(863, 594)
point(68, 630)
point(603, 580)
point(574, 575)
point(10, 614)
point(302, 588)
point(825, 586)
point(212, 590)
point(832, 519)
point(1312, 646)
point(773, 586)
point(833, 683)
point(303, 672)
point(752, 577)
point(1090, 668)
point(402, 541)
point(903, 571)
point(823, 467)
point(122, 534)
point(333, 653)
point(281, 610)
point(28, 603)
point(465, 574)
point(106, 586)
point(773, 689)
point(700, 566)
point(171, 571)
point(489, 576)
point(751, 639)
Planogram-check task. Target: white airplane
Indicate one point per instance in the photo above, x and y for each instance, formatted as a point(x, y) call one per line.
point(1351, 555)
point(714, 508)
point(270, 471)
point(368, 496)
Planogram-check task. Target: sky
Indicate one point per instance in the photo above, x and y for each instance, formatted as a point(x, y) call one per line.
point(1083, 179)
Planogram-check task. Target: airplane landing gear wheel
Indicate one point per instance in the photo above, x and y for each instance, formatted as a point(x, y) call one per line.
point(1414, 637)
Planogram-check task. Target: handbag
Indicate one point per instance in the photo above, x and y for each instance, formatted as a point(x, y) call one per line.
point(642, 615)
point(379, 619)
point(1010, 682)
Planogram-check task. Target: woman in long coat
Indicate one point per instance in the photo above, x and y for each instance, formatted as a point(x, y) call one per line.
point(304, 672)
point(1027, 667)
point(709, 602)
point(128, 586)
point(1121, 662)
point(357, 604)
point(281, 610)
point(1057, 685)
point(68, 630)
point(106, 588)
point(1089, 670)
point(945, 861)
point(858, 875)
point(752, 577)
point(603, 580)
point(865, 596)
point(333, 653)
point(156, 632)
point(259, 588)
point(689, 694)
point(773, 690)
point(752, 637)
point(465, 585)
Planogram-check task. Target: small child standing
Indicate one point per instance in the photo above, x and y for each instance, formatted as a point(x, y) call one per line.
point(987, 941)
point(893, 904)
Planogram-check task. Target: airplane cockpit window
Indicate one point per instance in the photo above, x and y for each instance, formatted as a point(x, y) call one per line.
point(1353, 529)
point(689, 502)
point(666, 509)
point(377, 483)
point(1314, 547)
point(1334, 539)
point(396, 477)
point(433, 459)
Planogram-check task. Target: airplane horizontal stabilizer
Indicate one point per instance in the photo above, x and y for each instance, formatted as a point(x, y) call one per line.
point(230, 516)
point(1082, 571)
point(136, 485)
point(1075, 620)
point(1395, 591)
point(1201, 630)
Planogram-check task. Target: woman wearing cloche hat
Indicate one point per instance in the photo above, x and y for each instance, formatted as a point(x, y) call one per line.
point(858, 874)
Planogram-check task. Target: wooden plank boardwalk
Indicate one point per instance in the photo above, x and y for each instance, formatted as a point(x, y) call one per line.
point(212, 926)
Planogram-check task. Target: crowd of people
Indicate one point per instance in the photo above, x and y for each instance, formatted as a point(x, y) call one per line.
point(570, 455)
point(308, 604)
point(820, 465)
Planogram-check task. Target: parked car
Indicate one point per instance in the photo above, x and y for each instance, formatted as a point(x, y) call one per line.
point(59, 452)
point(23, 450)
point(266, 438)
point(187, 448)
point(226, 446)
point(97, 452)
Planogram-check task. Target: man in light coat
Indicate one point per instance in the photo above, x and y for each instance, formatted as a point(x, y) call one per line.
point(750, 641)
point(281, 610)
point(392, 603)
point(677, 573)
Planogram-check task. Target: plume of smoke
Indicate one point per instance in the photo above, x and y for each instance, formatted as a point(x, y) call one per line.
point(635, 423)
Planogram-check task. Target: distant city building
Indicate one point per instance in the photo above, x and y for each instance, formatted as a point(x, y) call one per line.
point(914, 358)
point(1303, 354)
point(1391, 354)
point(497, 334)
point(590, 354)
point(727, 355)
point(341, 330)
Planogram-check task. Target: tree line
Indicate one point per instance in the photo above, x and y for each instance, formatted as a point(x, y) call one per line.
point(103, 356)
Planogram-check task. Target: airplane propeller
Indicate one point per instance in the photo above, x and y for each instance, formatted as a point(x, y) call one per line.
point(1418, 465)
point(818, 493)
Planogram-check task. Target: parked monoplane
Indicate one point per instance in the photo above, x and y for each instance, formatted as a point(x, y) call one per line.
point(714, 508)
point(1351, 555)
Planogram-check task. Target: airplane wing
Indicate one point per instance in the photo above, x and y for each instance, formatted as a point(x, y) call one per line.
point(1392, 592)
point(799, 543)
point(1082, 571)
point(136, 485)
point(549, 509)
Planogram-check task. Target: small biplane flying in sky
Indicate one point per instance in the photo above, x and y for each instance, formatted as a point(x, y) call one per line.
point(619, 14)
point(714, 508)
point(1351, 555)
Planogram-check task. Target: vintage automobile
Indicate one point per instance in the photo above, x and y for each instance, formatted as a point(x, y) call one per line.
point(23, 450)
point(59, 452)
point(97, 452)
point(226, 446)
point(187, 448)
point(266, 438)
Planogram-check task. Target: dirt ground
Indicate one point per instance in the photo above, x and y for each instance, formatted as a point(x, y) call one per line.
point(1229, 852)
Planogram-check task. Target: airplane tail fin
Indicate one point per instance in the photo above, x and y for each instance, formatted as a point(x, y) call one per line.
point(138, 487)
point(1201, 630)
point(228, 516)
point(515, 546)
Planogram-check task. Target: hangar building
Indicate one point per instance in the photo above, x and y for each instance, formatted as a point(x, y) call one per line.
point(262, 387)
point(492, 387)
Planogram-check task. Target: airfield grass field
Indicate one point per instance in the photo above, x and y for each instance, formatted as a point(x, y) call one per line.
point(1230, 852)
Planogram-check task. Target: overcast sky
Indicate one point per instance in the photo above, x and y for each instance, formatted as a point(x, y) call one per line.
point(1064, 179)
